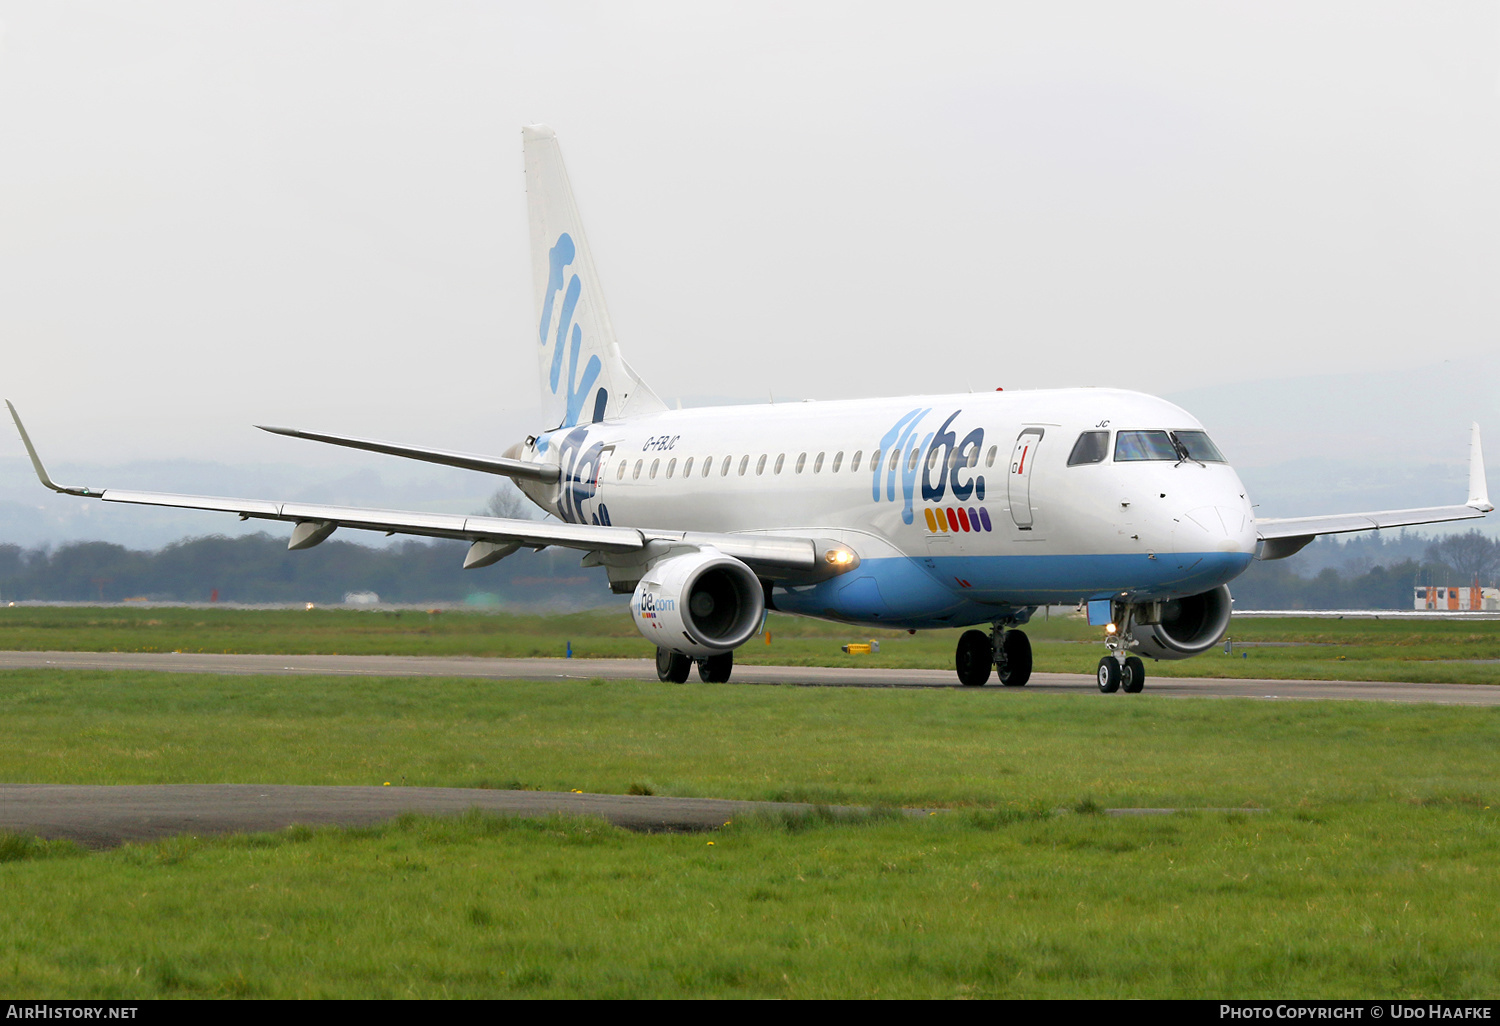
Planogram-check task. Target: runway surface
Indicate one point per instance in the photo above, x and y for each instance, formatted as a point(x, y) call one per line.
point(803, 676)
point(101, 816)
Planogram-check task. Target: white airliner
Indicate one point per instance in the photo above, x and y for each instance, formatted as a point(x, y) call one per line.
point(919, 512)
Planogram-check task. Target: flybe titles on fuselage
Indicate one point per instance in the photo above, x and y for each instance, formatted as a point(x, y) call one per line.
point(944, 465)
point(942, 461)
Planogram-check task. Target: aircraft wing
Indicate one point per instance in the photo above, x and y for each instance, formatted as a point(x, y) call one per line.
point(1283, 536)
point(491, 537)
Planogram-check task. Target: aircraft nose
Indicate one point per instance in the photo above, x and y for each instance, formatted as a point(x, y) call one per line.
point(1215, 529)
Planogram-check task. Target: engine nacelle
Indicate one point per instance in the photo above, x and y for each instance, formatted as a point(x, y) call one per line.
point(700, 604)
point(1189, 626)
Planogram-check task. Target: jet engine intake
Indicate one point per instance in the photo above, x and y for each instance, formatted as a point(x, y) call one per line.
point(701, 604)
point(1189, 626)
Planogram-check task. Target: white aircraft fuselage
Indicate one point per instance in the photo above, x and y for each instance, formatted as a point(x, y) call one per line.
point(971, 509)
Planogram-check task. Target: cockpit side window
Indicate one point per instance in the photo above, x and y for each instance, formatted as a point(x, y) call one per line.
point(1132, 446)
point(1091, 447)
point(1199, 447)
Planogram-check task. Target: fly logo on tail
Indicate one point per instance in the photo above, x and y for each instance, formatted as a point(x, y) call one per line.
point(559, 257)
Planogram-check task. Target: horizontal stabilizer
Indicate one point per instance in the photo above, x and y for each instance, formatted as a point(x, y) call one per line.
point(464, 460)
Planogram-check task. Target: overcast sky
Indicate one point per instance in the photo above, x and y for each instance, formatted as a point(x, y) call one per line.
point(217, 214)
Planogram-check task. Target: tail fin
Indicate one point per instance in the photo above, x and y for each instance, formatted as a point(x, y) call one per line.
point(584, 377)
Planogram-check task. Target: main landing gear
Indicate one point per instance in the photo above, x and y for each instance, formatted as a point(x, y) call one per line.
point(1120, 671)
point(1005, 648)
point(673, 667)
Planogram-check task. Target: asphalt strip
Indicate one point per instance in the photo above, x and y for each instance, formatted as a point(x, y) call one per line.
point(103, 816)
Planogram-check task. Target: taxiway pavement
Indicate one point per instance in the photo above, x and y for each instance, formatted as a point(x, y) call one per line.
point(803, 676)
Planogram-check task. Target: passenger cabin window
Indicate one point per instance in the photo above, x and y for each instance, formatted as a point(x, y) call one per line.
point(989, 460)
point(801, 461)
point(724, 470)
point(895, 460)
point(818, 464)
point(854, 463)
point(838, 458)
point(654, 465)
point(911, 462)
point(780, 459)
point(1134, 446)
point(760, 465)
point(621, 475)
point(745, 462)
point(638, 465)
point(708, 464)
point(671, 466)
point(687, 468)
point(1091, 447)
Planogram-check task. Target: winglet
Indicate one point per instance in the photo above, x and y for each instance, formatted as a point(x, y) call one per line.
point(36, 461)
point(1479, 490)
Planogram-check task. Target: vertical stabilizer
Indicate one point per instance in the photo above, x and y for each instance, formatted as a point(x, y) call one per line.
point(584, 377)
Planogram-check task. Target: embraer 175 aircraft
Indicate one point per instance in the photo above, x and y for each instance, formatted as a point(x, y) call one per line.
point(920, 512)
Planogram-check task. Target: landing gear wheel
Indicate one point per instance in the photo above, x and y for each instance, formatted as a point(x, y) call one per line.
point(716, 669)
point(1109, 675)
point(672, 667)
point(973, 658)
point(1015, 659)
point(1133, 676)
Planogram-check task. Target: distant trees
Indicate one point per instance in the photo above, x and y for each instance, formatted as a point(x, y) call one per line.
point(1274, 585)
point(509, 503)
point(1469, 555)
point(258, 568)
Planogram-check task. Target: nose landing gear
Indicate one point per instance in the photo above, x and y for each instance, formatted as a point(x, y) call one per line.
point(1120, 671)
point(1115, 674)
point(1006, 649)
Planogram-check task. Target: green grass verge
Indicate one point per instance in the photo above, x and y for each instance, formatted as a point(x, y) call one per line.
point(917, 747)
point(1292, 648)
point(1374, 872)
point(1336, 903)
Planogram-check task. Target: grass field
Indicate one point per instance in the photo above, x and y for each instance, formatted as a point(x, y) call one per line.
point(1390, 650)
point(1373, 869)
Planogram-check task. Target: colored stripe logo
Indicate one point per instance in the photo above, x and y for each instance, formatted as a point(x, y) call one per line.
point(957, 519)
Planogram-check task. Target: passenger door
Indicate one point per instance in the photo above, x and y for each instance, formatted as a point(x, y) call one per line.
point(1018, 479)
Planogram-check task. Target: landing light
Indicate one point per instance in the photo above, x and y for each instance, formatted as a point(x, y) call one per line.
point(1110, 628)
point(839, 557)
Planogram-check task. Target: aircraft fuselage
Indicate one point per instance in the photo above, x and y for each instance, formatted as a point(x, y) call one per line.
point(961, 507)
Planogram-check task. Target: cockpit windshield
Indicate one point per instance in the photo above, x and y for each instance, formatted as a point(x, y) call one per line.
point(1176, 446)
point(1131, 446)
point(1199, 447)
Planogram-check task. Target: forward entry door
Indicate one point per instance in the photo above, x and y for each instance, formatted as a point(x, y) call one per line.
point(1018, 480)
